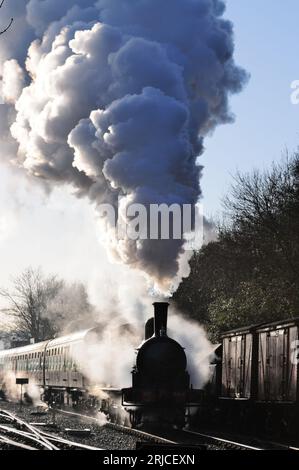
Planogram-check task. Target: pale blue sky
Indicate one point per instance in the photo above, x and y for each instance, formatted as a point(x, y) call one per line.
point(267, 38)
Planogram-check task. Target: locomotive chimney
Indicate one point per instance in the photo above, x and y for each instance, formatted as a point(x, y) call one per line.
point(160, 318)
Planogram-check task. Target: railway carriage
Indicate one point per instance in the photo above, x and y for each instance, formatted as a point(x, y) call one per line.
point(259, 376)
point(23, 362)
point(237, 354)
point(51, 365)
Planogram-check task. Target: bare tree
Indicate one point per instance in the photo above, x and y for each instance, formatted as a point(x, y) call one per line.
point(9, 24)
point(41, 307)
point(27, 303)
point(70, 309)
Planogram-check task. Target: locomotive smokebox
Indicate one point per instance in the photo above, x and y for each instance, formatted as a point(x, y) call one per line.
point(160, 322)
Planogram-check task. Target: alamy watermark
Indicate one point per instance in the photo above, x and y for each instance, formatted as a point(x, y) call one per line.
point(295, 93)
point(140, 222)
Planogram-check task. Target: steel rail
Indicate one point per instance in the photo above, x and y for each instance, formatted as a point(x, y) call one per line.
point(40, 437)
point(124, 429)
point(27, 436)
point(225, 442)
point(16, 420)
point(61, 440)
point(6, 441)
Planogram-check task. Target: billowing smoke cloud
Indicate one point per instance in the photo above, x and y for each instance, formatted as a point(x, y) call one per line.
point(114, 97)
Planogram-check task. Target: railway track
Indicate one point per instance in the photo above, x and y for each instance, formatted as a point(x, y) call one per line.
point(241, 442)
point(222, 443)
point(187, 437)
point(192, 438)
point(17, 433)
point(174, 437)
point(142, 435)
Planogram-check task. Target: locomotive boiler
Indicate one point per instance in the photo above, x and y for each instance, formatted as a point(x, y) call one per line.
point(161, 391)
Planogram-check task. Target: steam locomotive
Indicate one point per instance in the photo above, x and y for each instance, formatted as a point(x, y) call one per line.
point(161, 388)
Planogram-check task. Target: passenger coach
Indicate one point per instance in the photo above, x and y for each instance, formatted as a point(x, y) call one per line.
point(50, 365)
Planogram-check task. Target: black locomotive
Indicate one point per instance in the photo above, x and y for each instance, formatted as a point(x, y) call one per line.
point(161, 391)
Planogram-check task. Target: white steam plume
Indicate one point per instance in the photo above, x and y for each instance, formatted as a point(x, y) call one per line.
point(114, 97)
point(108, 361)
